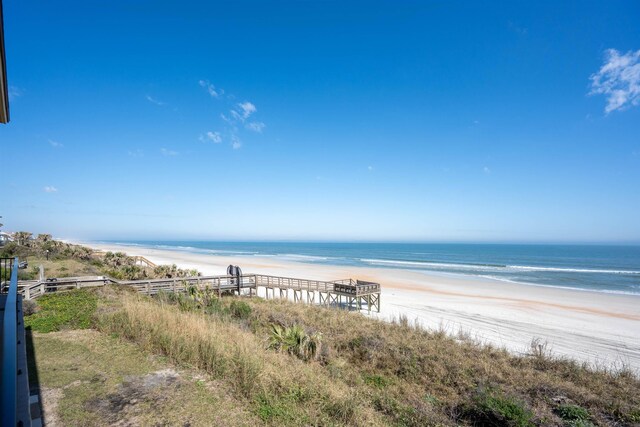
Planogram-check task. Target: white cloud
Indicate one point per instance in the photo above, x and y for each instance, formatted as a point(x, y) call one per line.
point(256, 126)
point(155, 101)
point(168, 153)
point(135, 153)
point(236, 116)
point(618, 79)
point(517, 29)
point(215, 137)
point(247, 109)
point(225, 118)
point(50, 189)
point(14, 92)
point(236, 119)
point(211, 89)
point(55, 144)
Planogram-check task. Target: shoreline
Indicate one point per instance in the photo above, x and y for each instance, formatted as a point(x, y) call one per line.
point(298, 258)
point(603, 331)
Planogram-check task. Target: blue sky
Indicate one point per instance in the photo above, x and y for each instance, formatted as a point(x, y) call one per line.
point(326, 120)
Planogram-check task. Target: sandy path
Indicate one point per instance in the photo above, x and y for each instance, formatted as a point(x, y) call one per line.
point(595, 327)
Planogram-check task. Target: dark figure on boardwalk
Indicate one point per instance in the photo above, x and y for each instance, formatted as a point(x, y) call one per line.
point(235, 271)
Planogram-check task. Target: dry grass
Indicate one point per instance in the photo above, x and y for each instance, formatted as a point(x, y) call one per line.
point(366, 372)
point(89, 378)
point(280, 388)
point(59, 268)
point(432, 367)
point(371, 372)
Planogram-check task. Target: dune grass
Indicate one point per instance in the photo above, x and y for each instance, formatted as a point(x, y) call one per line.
point(418, 372)
point(88, 378)
point(369, 372)
point(67, 267)
point(281, 389)
point(251, 357)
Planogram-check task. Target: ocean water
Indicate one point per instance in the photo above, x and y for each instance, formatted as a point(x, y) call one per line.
point(612, 269)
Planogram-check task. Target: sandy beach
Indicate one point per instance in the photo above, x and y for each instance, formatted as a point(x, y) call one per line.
point(598, 328)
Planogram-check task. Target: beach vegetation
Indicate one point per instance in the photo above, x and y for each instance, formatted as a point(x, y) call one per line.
point(492, 407)
point(377, 381)
point(62, 259)
point(23, 238)
point(633, 416)
point(240, 309)
point(574, 415)
point(295, 340)
point(88, 378)
point(69, 310)
point(29, 307)
point(280, 363)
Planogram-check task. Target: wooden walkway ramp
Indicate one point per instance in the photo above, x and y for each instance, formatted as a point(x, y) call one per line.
point(348, 293)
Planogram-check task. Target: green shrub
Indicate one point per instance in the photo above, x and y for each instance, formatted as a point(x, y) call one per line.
point(187, 303)
point(377, 381)
point(29, 307)
point(634, 416)
point(64, 310)
point(492, 407)
point(167, 297)
point(270, 409)
point(574, 415)
point(240, 309)
point(28, 274)
point(403, 415)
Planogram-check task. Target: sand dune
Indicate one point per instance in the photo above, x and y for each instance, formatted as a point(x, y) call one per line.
point(598, 328)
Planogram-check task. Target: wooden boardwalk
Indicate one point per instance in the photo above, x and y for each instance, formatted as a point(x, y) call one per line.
point(348, 293)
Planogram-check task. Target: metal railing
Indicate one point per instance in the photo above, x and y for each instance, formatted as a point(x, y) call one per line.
point(6, 265)
point(11, 320)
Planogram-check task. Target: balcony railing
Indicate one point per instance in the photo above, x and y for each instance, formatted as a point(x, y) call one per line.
point(14, 391)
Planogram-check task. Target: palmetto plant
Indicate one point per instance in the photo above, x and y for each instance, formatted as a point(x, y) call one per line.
point(84, 253)
point(202, 298)
point(117, 259)
point(295, 341)
point(43, 238)
point(23, 237)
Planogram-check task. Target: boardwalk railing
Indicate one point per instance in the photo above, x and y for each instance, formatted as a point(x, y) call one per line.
point(349, 292)
point(14, 399)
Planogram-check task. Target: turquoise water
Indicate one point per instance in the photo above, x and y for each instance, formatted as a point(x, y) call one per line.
point(613, 269)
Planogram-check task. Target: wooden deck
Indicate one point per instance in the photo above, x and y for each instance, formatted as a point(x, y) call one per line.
point(348, 293)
